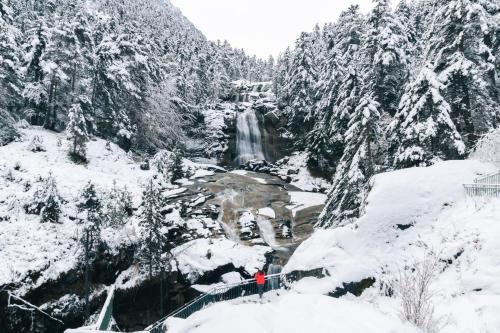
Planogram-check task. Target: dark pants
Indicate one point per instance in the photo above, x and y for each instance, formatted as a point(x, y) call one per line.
point(260, 288)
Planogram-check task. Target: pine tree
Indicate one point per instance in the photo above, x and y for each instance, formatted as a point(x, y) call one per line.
point(357, 166)
point(52, 205)
point(35, 92)
point(152, 223)
point(10, 79)
point(46, 201)
point(177, 166)
point(300, 86)
point(77, 134)
point(90, 215)
point(340, 84)
point(118, 206)
point(281, 78)
point(384, 56)
point(337, 123)
point(422, 130)
point(462, 50)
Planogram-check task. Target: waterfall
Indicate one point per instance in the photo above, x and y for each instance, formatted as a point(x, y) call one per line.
point(248, 138)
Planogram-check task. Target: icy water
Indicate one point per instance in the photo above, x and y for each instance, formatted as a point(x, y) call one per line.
point(242, 191)
point(248, 138)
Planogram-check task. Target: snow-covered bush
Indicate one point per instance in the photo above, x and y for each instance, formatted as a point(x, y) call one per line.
point(488, 148)
point(9, 176)
point(163, 162)
point(117, 206)
point(77, 134)
point(46, 201)
point(36, 144)
point(414, 288)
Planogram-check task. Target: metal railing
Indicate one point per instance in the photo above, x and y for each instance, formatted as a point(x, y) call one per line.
point(482, 190)
point(218, 294)
point(487, 187)
point(104, 321)
point(489, 179)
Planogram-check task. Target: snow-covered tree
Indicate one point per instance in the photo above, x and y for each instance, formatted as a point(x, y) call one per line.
point(117, 206)
point(340, 83)
point(77, 134)
point(462, 49)
point(35, 92)
point(357, 166)
point(384, 56)
point(177, 165)
point(10, 78)
point(281, 78)
point(46, 201)
point(162, 124)
point(152, 223)
point(300, 86)
point(90, 215)
point(422, 130)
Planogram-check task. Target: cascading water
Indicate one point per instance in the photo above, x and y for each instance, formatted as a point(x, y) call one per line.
point(248, 138)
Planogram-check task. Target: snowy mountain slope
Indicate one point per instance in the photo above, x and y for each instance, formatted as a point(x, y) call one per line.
point(30, 246)
point(34, 253)
point(409, 214)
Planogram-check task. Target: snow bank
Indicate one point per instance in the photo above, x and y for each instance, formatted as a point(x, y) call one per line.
point(203, 255)
point(288, 314)
point(267, 211)
point(408, 214)
point(412, 197)
point(304, 200)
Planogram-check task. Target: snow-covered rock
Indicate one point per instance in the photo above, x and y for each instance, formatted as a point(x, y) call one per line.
point(199, 256)
point(294, 168)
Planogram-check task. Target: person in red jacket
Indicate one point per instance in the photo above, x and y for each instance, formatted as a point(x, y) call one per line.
point(260, 278)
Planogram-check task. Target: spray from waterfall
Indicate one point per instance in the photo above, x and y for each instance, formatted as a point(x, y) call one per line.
point(248, 138)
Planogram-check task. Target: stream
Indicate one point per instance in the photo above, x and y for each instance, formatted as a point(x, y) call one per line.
point(267, 203)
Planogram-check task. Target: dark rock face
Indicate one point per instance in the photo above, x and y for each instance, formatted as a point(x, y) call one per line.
point(276, 145)
point(271, 122)
point(133, 308)
point(64, 297)
point(355, 288)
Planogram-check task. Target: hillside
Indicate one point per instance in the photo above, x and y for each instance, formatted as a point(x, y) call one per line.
point(149, 176)
point(410, 216)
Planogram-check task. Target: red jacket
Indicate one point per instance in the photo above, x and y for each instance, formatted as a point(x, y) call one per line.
point(260, 278)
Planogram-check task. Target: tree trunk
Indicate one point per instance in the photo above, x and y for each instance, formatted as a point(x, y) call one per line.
point(87, 282)
point(48, 110)
point(162, 275)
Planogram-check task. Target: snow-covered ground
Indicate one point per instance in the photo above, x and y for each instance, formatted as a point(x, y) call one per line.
point(304, 200)
point(28, 246)
point(290, 313)
point(204, 255)
point(411, 214)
